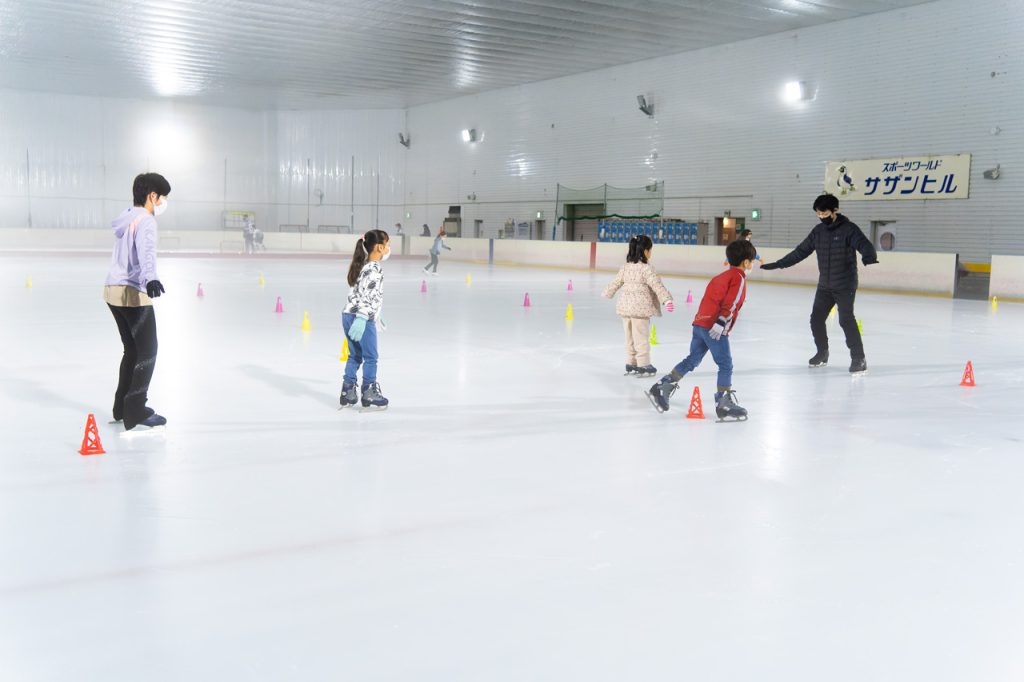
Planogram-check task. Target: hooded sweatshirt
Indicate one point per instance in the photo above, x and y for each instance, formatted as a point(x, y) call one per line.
point(133, 263)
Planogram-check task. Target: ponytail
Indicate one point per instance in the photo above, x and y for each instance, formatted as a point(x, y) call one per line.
point(638, 247)
point(364, 246)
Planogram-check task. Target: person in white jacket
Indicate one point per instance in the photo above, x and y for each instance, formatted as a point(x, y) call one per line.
point(361, 317)
point(643, 294)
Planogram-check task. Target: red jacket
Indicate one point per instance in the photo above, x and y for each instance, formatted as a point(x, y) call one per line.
point(723, 299)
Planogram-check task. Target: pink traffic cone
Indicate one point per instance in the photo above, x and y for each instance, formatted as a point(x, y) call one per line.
point(423, 287)
point(279, 308)
point(689, 296)
point(199, 290)
point(526, 301)
point(570, 285)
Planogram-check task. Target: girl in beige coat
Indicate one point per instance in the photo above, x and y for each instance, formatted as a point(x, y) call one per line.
point(643, 294)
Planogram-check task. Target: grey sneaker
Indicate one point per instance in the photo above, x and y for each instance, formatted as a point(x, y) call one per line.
point(373, 398)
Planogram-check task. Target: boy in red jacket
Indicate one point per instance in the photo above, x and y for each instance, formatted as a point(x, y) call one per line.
point(715, 319)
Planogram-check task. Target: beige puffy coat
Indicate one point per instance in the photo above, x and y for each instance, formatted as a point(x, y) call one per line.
point(643, 294)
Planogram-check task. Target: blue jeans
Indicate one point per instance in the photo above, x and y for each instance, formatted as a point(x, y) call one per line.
point(699, 346)
point(362, 352)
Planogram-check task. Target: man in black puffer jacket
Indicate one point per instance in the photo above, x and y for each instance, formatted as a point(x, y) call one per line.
point(836, 241)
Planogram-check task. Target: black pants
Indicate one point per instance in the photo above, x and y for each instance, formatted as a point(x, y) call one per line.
point(824, 299)
point(137, 327)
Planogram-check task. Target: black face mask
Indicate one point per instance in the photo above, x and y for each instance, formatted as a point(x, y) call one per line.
point(827, 220)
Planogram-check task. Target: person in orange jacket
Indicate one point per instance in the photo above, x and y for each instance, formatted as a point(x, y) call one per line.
point(715, 319)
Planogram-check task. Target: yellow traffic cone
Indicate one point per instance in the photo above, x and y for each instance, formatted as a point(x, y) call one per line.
point(469, 279)
point(28, 282)
point(344, 350)
point(568, 312)
point(263, 282)
point(860, 328)
point(654, 335)
point(995, 303)
point(306, 326)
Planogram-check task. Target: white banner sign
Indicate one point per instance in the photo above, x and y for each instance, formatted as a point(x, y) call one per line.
point(892, 179)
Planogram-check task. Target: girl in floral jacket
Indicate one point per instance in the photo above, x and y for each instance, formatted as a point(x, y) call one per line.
point(643, 294)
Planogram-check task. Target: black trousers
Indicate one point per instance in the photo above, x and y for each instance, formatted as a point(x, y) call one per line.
point(137, 327)
point(824, 299)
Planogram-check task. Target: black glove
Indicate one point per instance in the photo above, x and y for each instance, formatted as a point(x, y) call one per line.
point(770, 266)
point(871, 262)
point(154, 288)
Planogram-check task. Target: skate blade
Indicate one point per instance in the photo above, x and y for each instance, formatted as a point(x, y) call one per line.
point(144, 432)
point(345, 407)
point(372, 408)
point(824, 364)
point(654, 402)
point(729, 420)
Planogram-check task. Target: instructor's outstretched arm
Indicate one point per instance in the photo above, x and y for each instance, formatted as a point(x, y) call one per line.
point(803, 250)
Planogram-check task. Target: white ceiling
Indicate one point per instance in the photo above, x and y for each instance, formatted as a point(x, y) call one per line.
point(363, 53)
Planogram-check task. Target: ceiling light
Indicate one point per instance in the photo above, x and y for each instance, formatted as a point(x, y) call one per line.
point(798, 91)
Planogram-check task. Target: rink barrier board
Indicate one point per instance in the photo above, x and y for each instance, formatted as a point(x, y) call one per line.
point(1007, 280)
point(919, 273)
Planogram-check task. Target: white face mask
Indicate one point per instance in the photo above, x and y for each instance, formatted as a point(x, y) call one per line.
point(386, 255)
point(158, 209)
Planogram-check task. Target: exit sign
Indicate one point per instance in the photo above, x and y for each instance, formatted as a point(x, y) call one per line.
point(755, 214)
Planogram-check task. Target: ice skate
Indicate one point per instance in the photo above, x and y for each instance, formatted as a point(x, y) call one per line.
point(154, 423)
point(373, 399)
point(820, 359)
point(727, 408)
point(661, 392)
point(648, 371)
point(631, 371)
point(349, 396)
point(858, 366)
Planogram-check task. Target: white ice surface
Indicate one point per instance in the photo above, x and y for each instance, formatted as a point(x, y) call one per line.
point(521, 512)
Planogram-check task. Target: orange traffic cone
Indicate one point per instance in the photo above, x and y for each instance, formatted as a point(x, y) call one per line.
point(968, 379)
point(696, 408)
point(91, 440)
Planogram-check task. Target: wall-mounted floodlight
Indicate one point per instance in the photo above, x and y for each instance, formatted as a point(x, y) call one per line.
point(798, 91)
point(645, 106)
point(404, 140)
point(469, 135)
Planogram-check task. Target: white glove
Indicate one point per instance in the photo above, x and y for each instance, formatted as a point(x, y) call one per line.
point(718, 329)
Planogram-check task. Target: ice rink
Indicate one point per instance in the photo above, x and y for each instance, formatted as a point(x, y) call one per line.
point(521, 512)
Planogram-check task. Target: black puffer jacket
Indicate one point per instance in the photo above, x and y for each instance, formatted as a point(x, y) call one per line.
point(836, 245)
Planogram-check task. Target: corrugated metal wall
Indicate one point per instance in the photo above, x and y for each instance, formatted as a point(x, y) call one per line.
point(910, 82)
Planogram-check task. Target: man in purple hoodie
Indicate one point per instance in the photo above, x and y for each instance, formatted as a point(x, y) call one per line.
point(129, 292)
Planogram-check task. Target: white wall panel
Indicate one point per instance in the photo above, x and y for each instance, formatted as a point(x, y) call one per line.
point(914, 81)
point(69, 161)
